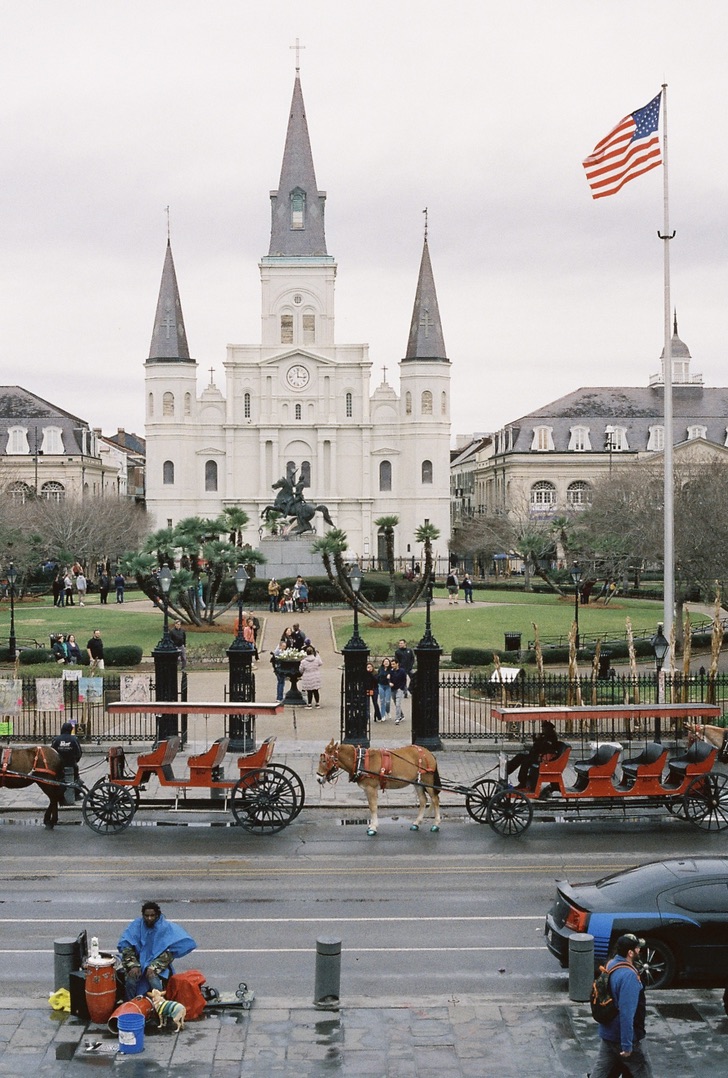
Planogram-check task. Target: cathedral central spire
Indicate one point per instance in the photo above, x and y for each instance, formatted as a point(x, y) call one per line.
point(169, 340)
point(297, 207)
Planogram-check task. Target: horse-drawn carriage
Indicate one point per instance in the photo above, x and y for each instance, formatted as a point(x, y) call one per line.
point(653, 781)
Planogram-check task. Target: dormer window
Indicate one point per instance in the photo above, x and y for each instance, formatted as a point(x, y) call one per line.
point(656, 439)
point(579, 440)
point(615, 439)
point(17, 440)
point(697, 431)
point(298, 208)
point(52, 440)
point(543, 439)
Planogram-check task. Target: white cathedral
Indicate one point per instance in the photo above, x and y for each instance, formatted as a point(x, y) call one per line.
point(299, 404)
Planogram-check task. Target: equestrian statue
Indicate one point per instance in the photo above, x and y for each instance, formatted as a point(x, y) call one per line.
point(290, 502)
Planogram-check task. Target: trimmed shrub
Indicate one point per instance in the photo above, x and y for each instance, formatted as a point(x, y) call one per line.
point(123, 655)
point(5, 655)
point(35, 656)
point(471, 656)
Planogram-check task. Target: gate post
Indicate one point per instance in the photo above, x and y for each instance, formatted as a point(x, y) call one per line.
point(425, 686)
point(581, 966)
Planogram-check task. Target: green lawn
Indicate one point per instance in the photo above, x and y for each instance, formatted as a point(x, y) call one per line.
point(485, 626)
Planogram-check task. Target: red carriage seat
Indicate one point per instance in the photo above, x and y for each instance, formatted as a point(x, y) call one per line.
point(698, 760)
point(595, 774)
point(552, 771)
point(205, 764)
point(159, 761)
point(260, 758)
point(647, 766)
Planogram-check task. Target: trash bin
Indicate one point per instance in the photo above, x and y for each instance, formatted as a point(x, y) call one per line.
point(605, 660)
point(513, 641)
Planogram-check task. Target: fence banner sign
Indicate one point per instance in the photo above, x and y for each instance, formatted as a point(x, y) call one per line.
point(90, 690)
point(71, 675)
point(11, 696)
point(49, 694)
point(135, 689)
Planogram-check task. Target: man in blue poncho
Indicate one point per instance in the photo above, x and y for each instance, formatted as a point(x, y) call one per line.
point(148, 947)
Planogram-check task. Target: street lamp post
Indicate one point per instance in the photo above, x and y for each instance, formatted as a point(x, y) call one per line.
point(12, 575)
point(576, 577)
point(165, 657)
point(425, 684)
point(241, 679)
point(661, 647)
point(354, 699)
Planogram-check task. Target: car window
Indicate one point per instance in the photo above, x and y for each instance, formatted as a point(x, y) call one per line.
point(703, 898)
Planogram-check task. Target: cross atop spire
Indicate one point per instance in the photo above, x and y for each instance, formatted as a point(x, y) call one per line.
point(425, 213)
point(298, 48)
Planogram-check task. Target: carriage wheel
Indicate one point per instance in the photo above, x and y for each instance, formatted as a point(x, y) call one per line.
point(296, 783)
point(509, 813)
point(264, 802)
point(477, 798)
point(706, 802)
point(108, 809)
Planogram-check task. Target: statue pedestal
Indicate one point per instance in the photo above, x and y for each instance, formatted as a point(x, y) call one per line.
point(286, 557)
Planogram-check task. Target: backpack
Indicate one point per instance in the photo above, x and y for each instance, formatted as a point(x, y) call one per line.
point(186, 988)
point(603, 1008)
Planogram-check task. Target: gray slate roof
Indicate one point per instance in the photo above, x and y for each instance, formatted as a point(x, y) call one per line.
point(169, 339)
point(20, 407)
point(426, 340)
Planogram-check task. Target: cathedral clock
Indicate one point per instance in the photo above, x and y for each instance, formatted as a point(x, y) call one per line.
point(297, 376)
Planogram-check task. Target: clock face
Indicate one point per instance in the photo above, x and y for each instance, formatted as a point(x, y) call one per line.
point(297, 376)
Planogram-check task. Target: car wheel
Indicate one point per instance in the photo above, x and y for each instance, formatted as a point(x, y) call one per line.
point(656, 964)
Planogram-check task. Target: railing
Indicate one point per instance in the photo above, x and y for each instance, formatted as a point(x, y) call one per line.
point(588, 641)
point(466, 699)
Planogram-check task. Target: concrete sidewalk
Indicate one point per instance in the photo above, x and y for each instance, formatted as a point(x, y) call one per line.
point(469, 1037)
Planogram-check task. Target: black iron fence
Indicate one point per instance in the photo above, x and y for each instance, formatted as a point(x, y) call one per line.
point(93, 725)
point(466, 700)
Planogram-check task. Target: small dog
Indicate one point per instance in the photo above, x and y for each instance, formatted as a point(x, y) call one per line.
point(168, 1008)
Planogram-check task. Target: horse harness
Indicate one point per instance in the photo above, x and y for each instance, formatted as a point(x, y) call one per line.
point(384, 772)
point(40, 766)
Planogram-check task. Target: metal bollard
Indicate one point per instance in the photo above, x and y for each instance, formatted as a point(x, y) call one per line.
point(66, 959)
point(328, 974)
point(581, 966)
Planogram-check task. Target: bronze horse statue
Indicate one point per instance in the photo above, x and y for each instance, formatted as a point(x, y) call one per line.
point(23, 765)
point(385, 769)
point(290, 503)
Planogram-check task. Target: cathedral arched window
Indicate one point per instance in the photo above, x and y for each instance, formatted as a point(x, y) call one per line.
point(297, 413)
point(408, 403)
point(150, 404)
point(443, 403)
point(19, 491)
point(579, 494)
point(286, 329)
point(53, 492)
point(291, 471)
point(305, 475)
point(427, 402)
point(349, 406)
point(168, 473)
point(543, 495)
point(246, 406)
point(168, 404)
point(308, 324)
point(385, 475)
point(426, 471)
point(210, 475)
point(298, 208)
point(188, 404)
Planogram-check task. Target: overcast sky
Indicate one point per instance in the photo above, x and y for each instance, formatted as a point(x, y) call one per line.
point(480, 110)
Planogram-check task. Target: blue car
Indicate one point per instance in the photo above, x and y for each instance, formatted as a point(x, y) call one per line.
point(680, 908)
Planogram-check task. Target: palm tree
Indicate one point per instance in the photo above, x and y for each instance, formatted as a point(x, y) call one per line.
point(387, 525)
point(425, 534)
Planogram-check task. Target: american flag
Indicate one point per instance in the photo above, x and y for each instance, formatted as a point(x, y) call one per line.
point(633, 147)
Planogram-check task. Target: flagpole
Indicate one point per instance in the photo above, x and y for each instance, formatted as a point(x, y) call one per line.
point(669, 507)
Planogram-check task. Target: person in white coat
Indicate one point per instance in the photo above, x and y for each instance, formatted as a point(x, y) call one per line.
point(310, 682)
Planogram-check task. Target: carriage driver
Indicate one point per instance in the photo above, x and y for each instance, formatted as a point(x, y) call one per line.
point(545, 747)
point(69, 749)
point(148, 947)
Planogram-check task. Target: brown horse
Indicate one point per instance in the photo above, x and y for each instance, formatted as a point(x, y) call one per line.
point(24, 765)
point(385, 769)
point(714, 735)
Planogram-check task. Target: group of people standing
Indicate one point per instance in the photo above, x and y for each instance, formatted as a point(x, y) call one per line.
point(392, 681)
point(72, 581)
point(66, 650)
point(309, 666)
point(288, 600)
point(452, 584)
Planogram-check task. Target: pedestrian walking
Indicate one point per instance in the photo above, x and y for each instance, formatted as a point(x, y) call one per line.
point(104, 584)
point(405, 656)
point(81, 587)
point(468, 588)
point(273, 593)
point(179, 638)
point(453, 587)
point(68, 588)
point(372, 691)
point(119, 583)
point(310, 668)
point(282, 645)
point(57, 590)
point(95, 649)
point(398, 681)
point(385, 689)
point(622, 1039)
